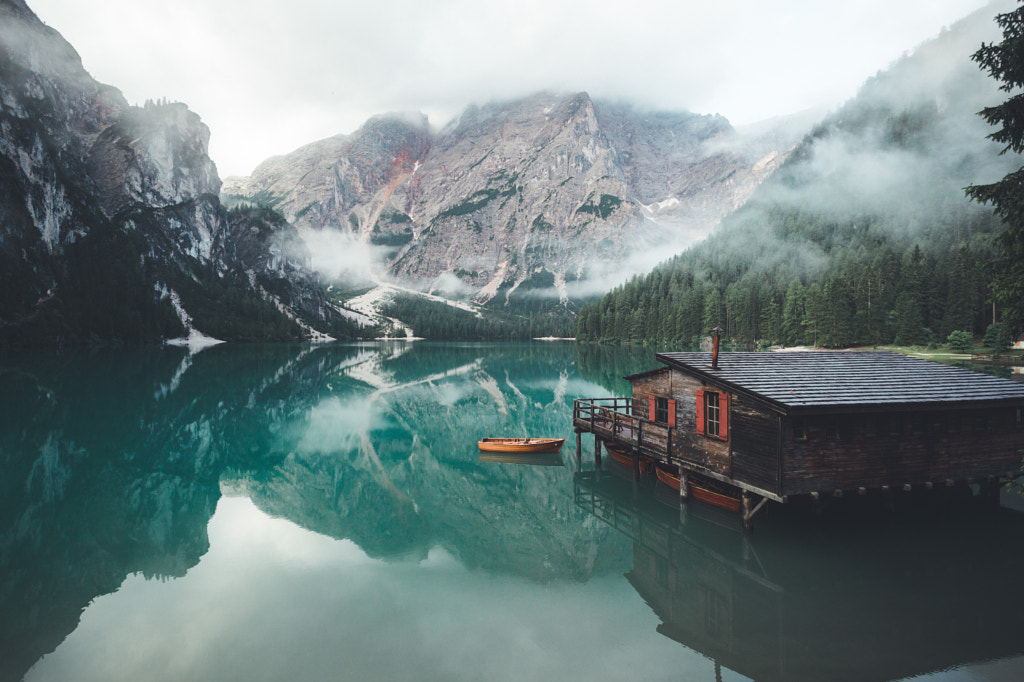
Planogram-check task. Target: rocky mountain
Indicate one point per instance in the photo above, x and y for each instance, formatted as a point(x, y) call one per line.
point(111, 229)
point(550, 193)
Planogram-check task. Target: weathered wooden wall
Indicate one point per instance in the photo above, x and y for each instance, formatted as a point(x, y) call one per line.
point(687, 444)
point(755, 444)
point(912, 448)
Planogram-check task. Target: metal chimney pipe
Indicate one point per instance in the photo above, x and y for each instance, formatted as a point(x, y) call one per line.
point(714, 351)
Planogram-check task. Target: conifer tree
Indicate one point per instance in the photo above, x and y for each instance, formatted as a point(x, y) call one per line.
point(812, 313)
point(793, 314)
point(1004, 61)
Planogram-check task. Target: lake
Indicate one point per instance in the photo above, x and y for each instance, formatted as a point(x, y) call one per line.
point(322, 513)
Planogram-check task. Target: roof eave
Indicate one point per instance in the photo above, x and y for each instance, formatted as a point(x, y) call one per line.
point(709, 376)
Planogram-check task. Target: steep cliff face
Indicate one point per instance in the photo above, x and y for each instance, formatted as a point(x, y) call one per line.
point(49, 111)
point(322, 184)
point(152, 157)
point(108, 210)
point(548, 189)
point(511, 190)
point(259, 245)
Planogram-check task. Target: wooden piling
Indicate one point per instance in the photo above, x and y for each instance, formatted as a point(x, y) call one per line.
point(990, 489)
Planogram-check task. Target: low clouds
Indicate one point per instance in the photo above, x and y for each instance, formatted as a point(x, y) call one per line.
point(340, 255)
point(269, 76)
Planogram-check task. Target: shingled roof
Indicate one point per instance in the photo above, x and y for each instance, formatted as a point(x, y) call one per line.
point(824, 379)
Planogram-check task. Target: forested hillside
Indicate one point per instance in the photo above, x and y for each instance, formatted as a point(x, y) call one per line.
point(864, 236)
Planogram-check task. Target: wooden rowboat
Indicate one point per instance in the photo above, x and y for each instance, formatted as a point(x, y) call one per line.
point(521, 444)
point(700, 493)
point(626, 459)
point(669, 479)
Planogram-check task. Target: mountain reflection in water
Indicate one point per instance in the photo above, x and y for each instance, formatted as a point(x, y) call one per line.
point(323, 513)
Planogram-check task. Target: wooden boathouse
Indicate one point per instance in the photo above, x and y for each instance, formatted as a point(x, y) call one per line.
point(779, 425)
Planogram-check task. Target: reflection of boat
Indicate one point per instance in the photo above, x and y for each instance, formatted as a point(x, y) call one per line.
point(521, 444)
point(699, 492)
point(626, 459)
point(550, 459)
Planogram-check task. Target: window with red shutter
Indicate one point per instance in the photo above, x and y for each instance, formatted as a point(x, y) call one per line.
point(671, 413)
point(650, 408)
point(713, 414)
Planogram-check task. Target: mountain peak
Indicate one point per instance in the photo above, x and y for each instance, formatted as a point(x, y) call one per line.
point(553, 185)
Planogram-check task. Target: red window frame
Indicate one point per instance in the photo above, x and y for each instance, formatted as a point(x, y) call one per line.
point(723, 414)
point(652, 410)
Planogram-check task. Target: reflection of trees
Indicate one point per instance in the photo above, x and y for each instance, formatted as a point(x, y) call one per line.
point(113, 464)
point(606, 365)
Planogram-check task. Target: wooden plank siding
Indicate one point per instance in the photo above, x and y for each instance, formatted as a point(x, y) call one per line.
point(872, 450)
point(687, 445)
point(755, 435)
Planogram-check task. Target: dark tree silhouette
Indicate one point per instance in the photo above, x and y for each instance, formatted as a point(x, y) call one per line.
point(1004, 61)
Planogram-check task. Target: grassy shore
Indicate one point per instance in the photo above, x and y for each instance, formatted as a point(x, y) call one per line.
point(981, 355)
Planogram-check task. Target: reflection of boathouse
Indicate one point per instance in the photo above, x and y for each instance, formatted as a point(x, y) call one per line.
point(816, 423)
point(889, 603)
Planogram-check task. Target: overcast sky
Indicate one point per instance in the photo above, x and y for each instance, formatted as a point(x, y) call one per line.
point(270, 75)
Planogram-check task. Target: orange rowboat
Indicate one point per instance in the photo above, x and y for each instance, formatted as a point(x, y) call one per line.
point(699, 493)
point(671, 480)
point(626, 459)
point(521, 444)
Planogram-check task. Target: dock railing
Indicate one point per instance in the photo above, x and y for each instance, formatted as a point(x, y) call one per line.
point(610, 419)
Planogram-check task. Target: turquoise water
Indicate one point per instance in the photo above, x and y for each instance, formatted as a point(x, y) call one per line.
point(321, 513)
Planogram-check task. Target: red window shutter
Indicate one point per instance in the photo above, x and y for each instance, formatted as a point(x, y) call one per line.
point(650, 407)
point(723, 416)
point(671, 413)
point(700, 411)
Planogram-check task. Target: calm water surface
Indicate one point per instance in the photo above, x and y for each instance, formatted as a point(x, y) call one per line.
point(321, 513)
